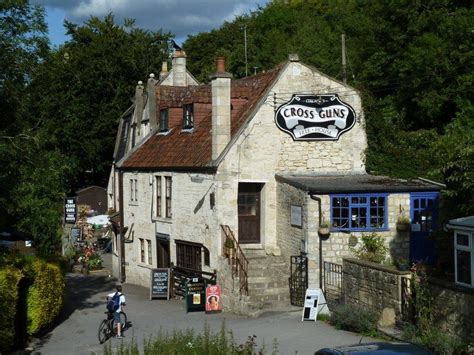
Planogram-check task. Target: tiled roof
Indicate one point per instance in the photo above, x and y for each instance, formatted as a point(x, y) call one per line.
point(181, 149)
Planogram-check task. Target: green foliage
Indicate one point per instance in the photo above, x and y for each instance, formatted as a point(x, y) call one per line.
point(425, 330)
point(355, 319)
point(45, 296)
point(9, 280)
point(188, 342)
point(372, 249)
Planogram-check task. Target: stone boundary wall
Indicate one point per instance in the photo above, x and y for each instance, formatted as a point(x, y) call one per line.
point(372, 286)
point(453, 307)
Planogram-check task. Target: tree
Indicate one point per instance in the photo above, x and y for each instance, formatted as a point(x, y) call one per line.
point(82, 89)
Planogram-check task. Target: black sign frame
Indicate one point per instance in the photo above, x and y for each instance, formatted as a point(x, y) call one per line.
point(312, 117)
point(70, 210)
point(159, 283)
point(195, 288)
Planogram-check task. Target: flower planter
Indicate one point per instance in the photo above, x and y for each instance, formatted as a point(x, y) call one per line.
point(324, 232)
point(403, 226)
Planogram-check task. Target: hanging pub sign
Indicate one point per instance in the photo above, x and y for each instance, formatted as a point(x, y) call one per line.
point(70, 210)
point(315, 117)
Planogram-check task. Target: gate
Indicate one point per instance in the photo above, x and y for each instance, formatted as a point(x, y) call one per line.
point(333, 283)
point(298, 280)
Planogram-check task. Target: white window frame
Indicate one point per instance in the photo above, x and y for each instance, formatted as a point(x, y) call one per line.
point(467, 248)
point(162, 214)
point(133, 190)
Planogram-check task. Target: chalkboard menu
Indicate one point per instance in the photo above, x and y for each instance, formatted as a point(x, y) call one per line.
point(75, 234)
point(195, 294)
point(160, 283)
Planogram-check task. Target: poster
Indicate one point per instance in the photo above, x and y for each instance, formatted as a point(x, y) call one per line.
point(213, 299)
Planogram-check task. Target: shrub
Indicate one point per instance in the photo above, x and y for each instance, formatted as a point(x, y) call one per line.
point(9, 280)
point(188, 342)
point(355, 319)
point(372, 249)
point(45, 296)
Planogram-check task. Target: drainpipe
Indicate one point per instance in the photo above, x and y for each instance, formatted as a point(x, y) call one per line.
point(320, 243)
point(121, 249)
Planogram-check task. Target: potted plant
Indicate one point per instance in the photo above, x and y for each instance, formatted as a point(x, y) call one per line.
point(324, 229)
point(402, 264)
point(403, 223)
point(229, 247)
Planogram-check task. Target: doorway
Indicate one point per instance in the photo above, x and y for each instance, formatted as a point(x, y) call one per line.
point(423, 215)
point(249, 212)
point(163, 251)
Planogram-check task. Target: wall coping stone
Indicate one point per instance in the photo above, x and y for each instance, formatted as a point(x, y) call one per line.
point(376, 266)
point(451, 286)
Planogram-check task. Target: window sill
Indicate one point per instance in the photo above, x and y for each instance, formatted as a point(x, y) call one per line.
point(162, 220)
point(133, 203)
point(336, 230)
point(145, 266)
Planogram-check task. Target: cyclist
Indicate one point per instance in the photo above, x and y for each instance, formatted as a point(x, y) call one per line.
point(116, 313)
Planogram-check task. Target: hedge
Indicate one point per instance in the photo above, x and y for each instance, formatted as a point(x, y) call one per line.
point(10, 278)
point(45, 296)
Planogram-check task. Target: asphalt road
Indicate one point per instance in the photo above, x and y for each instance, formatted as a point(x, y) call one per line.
point(76, 330)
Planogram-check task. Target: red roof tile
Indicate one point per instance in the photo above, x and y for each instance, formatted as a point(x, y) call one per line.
point(178, 149)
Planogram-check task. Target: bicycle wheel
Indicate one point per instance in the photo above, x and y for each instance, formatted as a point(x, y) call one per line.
point(103, 331)
point(123, 320)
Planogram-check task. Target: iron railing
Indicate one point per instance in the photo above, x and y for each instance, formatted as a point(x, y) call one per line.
point(238, 262)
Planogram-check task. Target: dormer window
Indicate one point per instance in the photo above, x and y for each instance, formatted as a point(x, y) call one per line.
point(188, 119)
point(163, 120)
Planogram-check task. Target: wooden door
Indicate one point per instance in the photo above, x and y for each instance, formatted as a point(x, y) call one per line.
point(249, 212)
point(163, 252)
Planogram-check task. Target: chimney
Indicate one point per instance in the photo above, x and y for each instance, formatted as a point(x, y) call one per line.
point(164, 70)
point(221, 114)
point(151, 103)
point(139, 100)
point(179, 68)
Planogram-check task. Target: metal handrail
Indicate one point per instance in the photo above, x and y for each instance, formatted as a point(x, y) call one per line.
point(239, 263)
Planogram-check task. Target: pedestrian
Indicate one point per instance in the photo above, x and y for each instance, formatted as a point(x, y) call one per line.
point(115, 301)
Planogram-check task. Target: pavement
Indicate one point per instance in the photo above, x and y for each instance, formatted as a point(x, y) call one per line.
point(77, 327)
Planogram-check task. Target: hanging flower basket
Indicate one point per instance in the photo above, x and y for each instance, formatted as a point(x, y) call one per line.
point(324, 231)
point(403, 226)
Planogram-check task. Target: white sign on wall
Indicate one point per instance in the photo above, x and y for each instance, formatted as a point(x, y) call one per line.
point(296, 216)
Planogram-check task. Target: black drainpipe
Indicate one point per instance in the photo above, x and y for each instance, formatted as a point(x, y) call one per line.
point(320, 243)
point(121, 237)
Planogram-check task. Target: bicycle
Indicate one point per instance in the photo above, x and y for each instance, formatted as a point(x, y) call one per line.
point(108, 328)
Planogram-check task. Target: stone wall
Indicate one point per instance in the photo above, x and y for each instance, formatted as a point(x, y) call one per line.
point(454, 308)
point(372, 286)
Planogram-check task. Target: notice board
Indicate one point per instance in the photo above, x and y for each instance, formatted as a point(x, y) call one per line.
point(160, 283)
point(195, 294)
point(314, 302)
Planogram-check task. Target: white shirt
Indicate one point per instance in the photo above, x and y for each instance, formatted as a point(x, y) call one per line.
point(121, 300)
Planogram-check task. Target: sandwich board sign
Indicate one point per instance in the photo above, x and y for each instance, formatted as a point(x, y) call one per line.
point(314, 302)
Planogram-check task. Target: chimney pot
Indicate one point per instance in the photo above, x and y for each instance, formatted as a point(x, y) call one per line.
point(220, 63)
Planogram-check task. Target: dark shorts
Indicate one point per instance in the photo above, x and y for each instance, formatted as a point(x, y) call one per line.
point(117, 317)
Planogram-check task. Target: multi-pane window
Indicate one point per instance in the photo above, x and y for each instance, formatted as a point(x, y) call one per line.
point(464, 257)
point(142, 250)
point(150, 256)
point(164, 120)
point(163, 196)
point(133, 190)
point(188, 119)
point(188, 255)
point(359, 212)
point(168, 196)
point(158, 197)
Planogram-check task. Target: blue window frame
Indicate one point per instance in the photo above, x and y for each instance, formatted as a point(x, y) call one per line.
point(359, 212)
